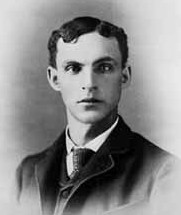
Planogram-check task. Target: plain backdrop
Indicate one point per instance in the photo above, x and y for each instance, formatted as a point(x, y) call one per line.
point(32, 114)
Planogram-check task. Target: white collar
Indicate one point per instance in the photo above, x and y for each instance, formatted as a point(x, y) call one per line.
point(94, 144)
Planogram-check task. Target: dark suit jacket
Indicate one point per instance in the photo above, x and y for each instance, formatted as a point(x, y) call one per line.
point(124, 171)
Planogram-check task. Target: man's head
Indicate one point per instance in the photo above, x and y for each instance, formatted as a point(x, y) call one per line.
point(89, 67)
point(73, 29)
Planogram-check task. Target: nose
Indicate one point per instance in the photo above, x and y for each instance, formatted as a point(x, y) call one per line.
point(89, 81)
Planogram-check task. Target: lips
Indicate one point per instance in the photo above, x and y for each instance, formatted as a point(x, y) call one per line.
point(89, 100)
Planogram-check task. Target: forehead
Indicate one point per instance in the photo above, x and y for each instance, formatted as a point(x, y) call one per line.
point(88, 48)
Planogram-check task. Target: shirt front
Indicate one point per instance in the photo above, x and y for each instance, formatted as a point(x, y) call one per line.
point(94, 145)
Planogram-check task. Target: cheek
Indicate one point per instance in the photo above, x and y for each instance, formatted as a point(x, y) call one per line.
point(68, 92)
point(112, 88)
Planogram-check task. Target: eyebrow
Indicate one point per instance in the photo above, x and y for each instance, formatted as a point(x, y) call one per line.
point(72, 62)
point(100, 60)
point(107, 58)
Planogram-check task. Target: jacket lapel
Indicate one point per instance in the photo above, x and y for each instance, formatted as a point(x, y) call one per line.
point(117, 143)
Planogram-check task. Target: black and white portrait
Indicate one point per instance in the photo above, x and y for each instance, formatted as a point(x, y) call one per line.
point(90, 111)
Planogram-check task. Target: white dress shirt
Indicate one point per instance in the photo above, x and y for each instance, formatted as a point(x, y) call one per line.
point(94, 145)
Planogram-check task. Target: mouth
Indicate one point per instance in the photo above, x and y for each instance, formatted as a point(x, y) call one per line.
point(90, 101)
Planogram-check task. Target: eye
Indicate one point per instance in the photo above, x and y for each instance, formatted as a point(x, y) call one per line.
point(105, 68)
point(74, 68)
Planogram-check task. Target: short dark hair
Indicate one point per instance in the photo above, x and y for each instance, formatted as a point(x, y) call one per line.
point(71, 30)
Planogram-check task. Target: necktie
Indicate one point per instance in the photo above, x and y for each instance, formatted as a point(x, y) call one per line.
point(81, 156)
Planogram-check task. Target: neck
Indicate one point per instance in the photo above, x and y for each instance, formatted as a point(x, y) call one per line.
point(81, 133)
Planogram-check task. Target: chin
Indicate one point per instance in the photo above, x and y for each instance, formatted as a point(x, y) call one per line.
point(90, 118)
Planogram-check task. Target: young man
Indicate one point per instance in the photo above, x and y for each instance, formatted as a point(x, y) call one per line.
point(98, 165)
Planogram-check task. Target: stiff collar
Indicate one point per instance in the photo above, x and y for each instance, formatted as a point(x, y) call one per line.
point(94, 144)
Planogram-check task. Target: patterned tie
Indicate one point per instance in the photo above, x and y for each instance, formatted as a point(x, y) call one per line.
point(81, 156)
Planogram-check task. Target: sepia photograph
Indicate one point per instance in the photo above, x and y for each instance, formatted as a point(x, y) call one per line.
point(90, 107)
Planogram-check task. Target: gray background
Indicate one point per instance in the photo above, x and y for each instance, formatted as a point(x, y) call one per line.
point(32, 114)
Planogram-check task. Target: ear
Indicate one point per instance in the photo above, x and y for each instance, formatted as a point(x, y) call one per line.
point(52, 77)
point(126, 77)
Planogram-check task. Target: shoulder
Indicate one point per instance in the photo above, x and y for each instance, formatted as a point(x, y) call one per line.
point(27, 165)
point(160, 167)
point(144, 152)
point(148, 148)
point(137, 142)
point(156, 160)
point(25, 172)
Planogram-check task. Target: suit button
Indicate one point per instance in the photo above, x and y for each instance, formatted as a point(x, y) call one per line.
point(65, 193)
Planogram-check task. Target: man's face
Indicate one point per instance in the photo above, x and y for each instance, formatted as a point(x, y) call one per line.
point(89, 77)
